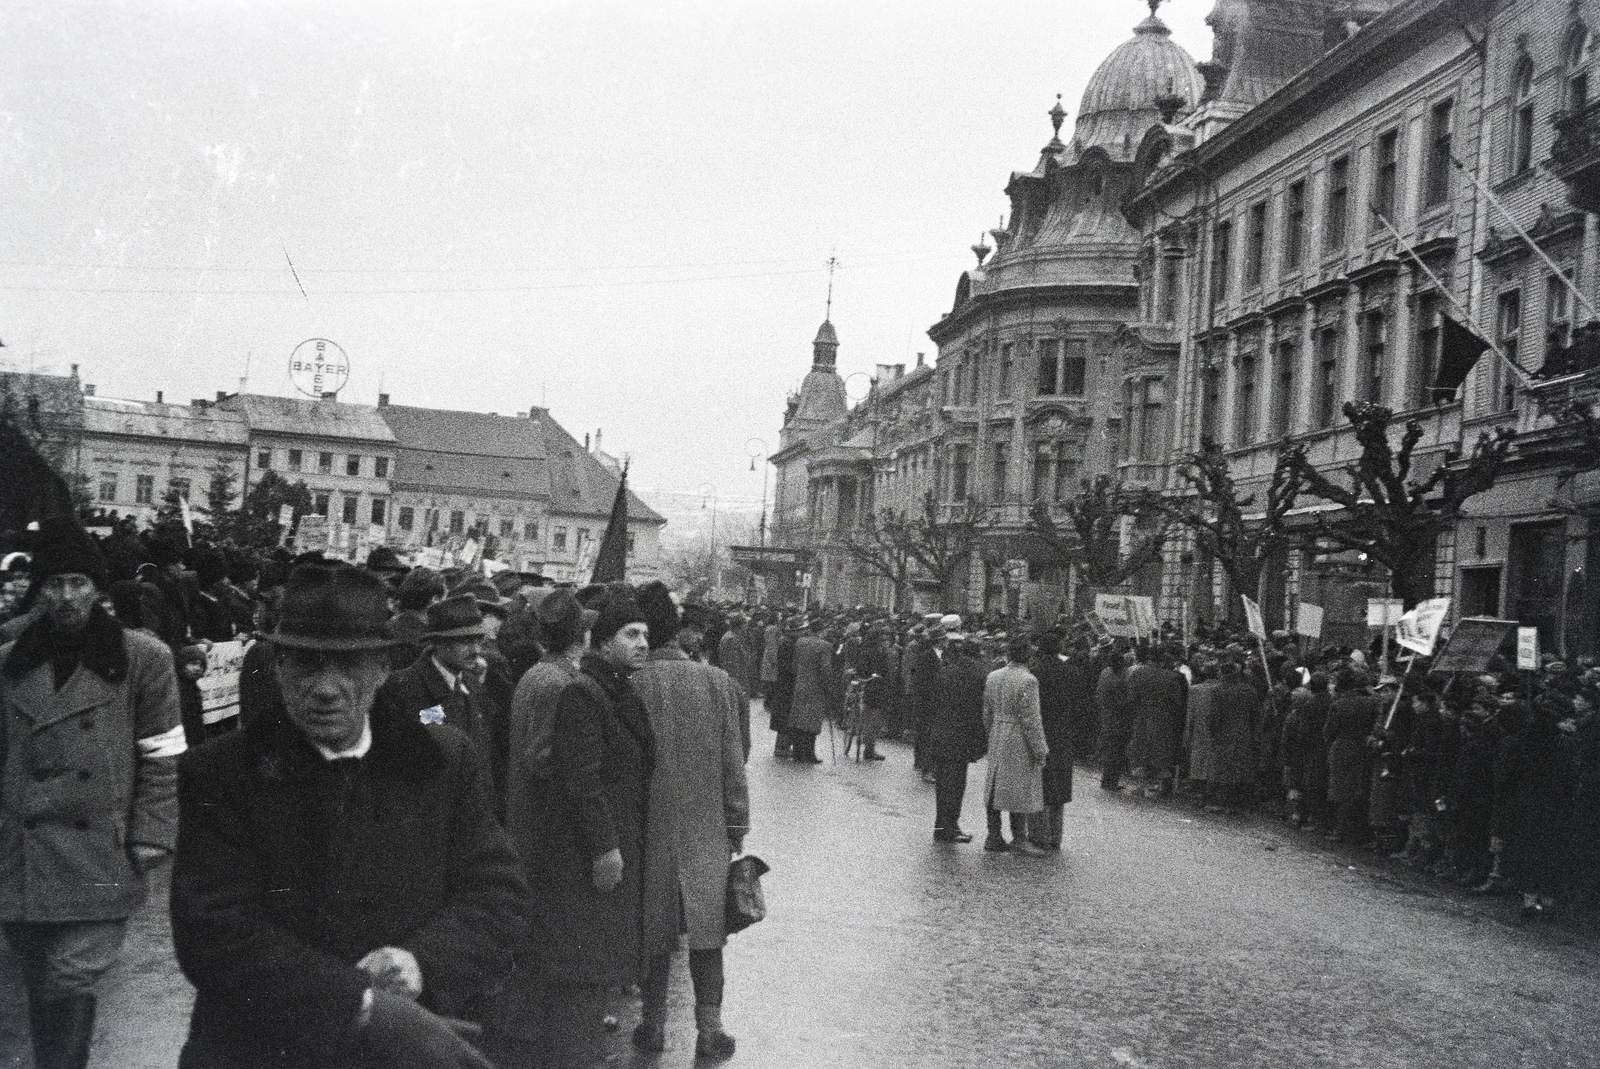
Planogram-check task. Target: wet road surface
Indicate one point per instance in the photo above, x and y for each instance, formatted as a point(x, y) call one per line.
point(1158, 938)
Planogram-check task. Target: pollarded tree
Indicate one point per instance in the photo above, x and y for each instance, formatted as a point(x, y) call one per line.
point(1220, 519)
point(1093, 537)
point(894, 544)
point(1392, 517)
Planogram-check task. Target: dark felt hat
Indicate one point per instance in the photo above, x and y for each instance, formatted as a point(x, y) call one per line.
point(563, 619)
point(617, 608)
point(61, 546)
point(455, 617)
point(384, 559)
point(333, 607)
point(660, 612)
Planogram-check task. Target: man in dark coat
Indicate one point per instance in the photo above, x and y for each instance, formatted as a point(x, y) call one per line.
point(420, 588)
point(1160, 696)
point(88, 758)
point(956, 735)
point(445, 685)
point(342, 894)
point(585, 862)
point(1063, 697)
point(1116, 720)
point(780, 692)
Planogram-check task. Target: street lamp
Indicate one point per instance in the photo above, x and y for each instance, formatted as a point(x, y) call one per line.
point(704, 490)
point(756, 448)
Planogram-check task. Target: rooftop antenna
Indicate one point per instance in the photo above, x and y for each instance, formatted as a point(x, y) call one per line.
point(833, 262)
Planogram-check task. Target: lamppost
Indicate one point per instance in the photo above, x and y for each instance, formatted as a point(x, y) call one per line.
point(708, 490)
point(756, 448)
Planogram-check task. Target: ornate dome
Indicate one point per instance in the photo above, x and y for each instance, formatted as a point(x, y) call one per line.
point(1119, 103)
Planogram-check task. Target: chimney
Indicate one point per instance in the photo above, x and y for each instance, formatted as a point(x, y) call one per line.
point(222, 395)
point(920, 357)
point(597, 441)
point(158, 397)
point(88, 389)
point(330, 395)
point(74, 370)
point(383, 400)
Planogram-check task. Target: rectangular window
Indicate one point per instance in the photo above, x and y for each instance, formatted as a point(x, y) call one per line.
point(1255, 251)
point(352, 464)
point(144, 489)
point(1003, 384)
point(1171, 265)
point(1508, 326)
point(1557, 312)
point(1437, 190)
point(458, 521)
point(1429, 338)
point(1374, 343)
point(1522, 134)
point(558, 539)
point(1210, 401)
point(584, 537)
point(352, 505)
point(1153, 397)
point(380, 510)
point(1283, 399)
point(1221, 241)
point(264, 459)
point(1074, 368)
point(108, 486)
point(296, 458)
point(1337, 216)
point(1066, 472)
point(530, 531)
point(1294, 226)
point(630, 542)
point(973, 377)
point(1043, 461)
point(997, 491)
point(380, 467)
point(958, 473)
point(325, 463)
point(319, 504)
point(406, 517)
point(1387, 175)
point(1048, 352)
point(1244, 421)
point(179, 487)
point(1327, 376)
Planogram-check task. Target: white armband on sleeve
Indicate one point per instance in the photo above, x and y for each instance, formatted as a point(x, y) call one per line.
point(167, 744)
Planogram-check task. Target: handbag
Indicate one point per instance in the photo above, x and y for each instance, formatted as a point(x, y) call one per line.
point(746, 904)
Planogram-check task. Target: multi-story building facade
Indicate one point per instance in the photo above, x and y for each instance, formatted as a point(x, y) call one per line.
point(133, 454)
point(583, 487)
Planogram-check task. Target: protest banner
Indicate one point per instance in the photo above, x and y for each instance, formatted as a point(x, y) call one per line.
point(1308, 620)
point(1117, 615)
point(1418, 630)
point(219, 687)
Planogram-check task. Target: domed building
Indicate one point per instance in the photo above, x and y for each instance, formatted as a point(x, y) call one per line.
point(1030, 369)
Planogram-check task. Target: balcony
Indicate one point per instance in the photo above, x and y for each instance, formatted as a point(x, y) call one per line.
point(1575, 156)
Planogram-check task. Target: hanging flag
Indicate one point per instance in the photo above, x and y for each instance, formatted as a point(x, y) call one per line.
point(1459, 349)
point(611, 563)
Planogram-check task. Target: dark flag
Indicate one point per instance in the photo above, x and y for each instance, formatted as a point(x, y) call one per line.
point(611, 563)
point(1459, 349)
point(30, 489)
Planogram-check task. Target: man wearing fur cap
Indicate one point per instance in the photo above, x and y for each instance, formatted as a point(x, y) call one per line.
point(699, 815)
point(87, 787)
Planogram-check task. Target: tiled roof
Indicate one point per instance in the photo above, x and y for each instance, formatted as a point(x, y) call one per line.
point(580, 484)
point(59, 396)
point(107, 415)
point(304, 416)
point(468, 450)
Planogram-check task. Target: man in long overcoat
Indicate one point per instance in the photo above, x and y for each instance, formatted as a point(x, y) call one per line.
point(342, 894)
point(1159, 695)
point(699, 816)
point(1063, 697)
point(88, 760)
point(1017, 749)
point(441, 686)
point(1116, 720)
point(956, 735)
point(816, 694)
point(922, 670)
point(1231, 725)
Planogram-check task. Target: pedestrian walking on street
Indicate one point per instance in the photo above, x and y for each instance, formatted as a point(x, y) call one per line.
point(956, 734)
point(1017, 749)
point(88, 758)
point(343, 896)
point(699, 816)
point(816, 693)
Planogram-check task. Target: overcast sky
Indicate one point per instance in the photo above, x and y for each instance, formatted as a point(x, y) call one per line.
point(620, 210)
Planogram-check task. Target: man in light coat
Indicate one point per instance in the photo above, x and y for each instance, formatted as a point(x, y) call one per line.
point(1017, 749)
point(699, 815)
point(88, 795)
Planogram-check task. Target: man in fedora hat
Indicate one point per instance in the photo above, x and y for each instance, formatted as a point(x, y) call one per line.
point(342, 895)
point(445, 684)
point(88, 757)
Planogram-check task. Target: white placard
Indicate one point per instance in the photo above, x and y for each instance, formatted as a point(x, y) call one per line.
point(1308, 620)
point(1528, 647)
point(1418, 629)
point(219, 687)
point(1117, 614)
point(1384, 612)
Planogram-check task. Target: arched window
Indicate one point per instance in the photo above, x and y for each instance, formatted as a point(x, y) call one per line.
point(1575, 69)
point(1522, 116)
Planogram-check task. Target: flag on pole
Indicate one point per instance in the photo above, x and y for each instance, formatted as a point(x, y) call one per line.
point(1252, 613)
point(1418, 629)
point(1459, 349)
point(611, 563)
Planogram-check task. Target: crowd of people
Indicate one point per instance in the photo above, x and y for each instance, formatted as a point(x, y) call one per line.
point(1488, 781)
point(452, 816)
